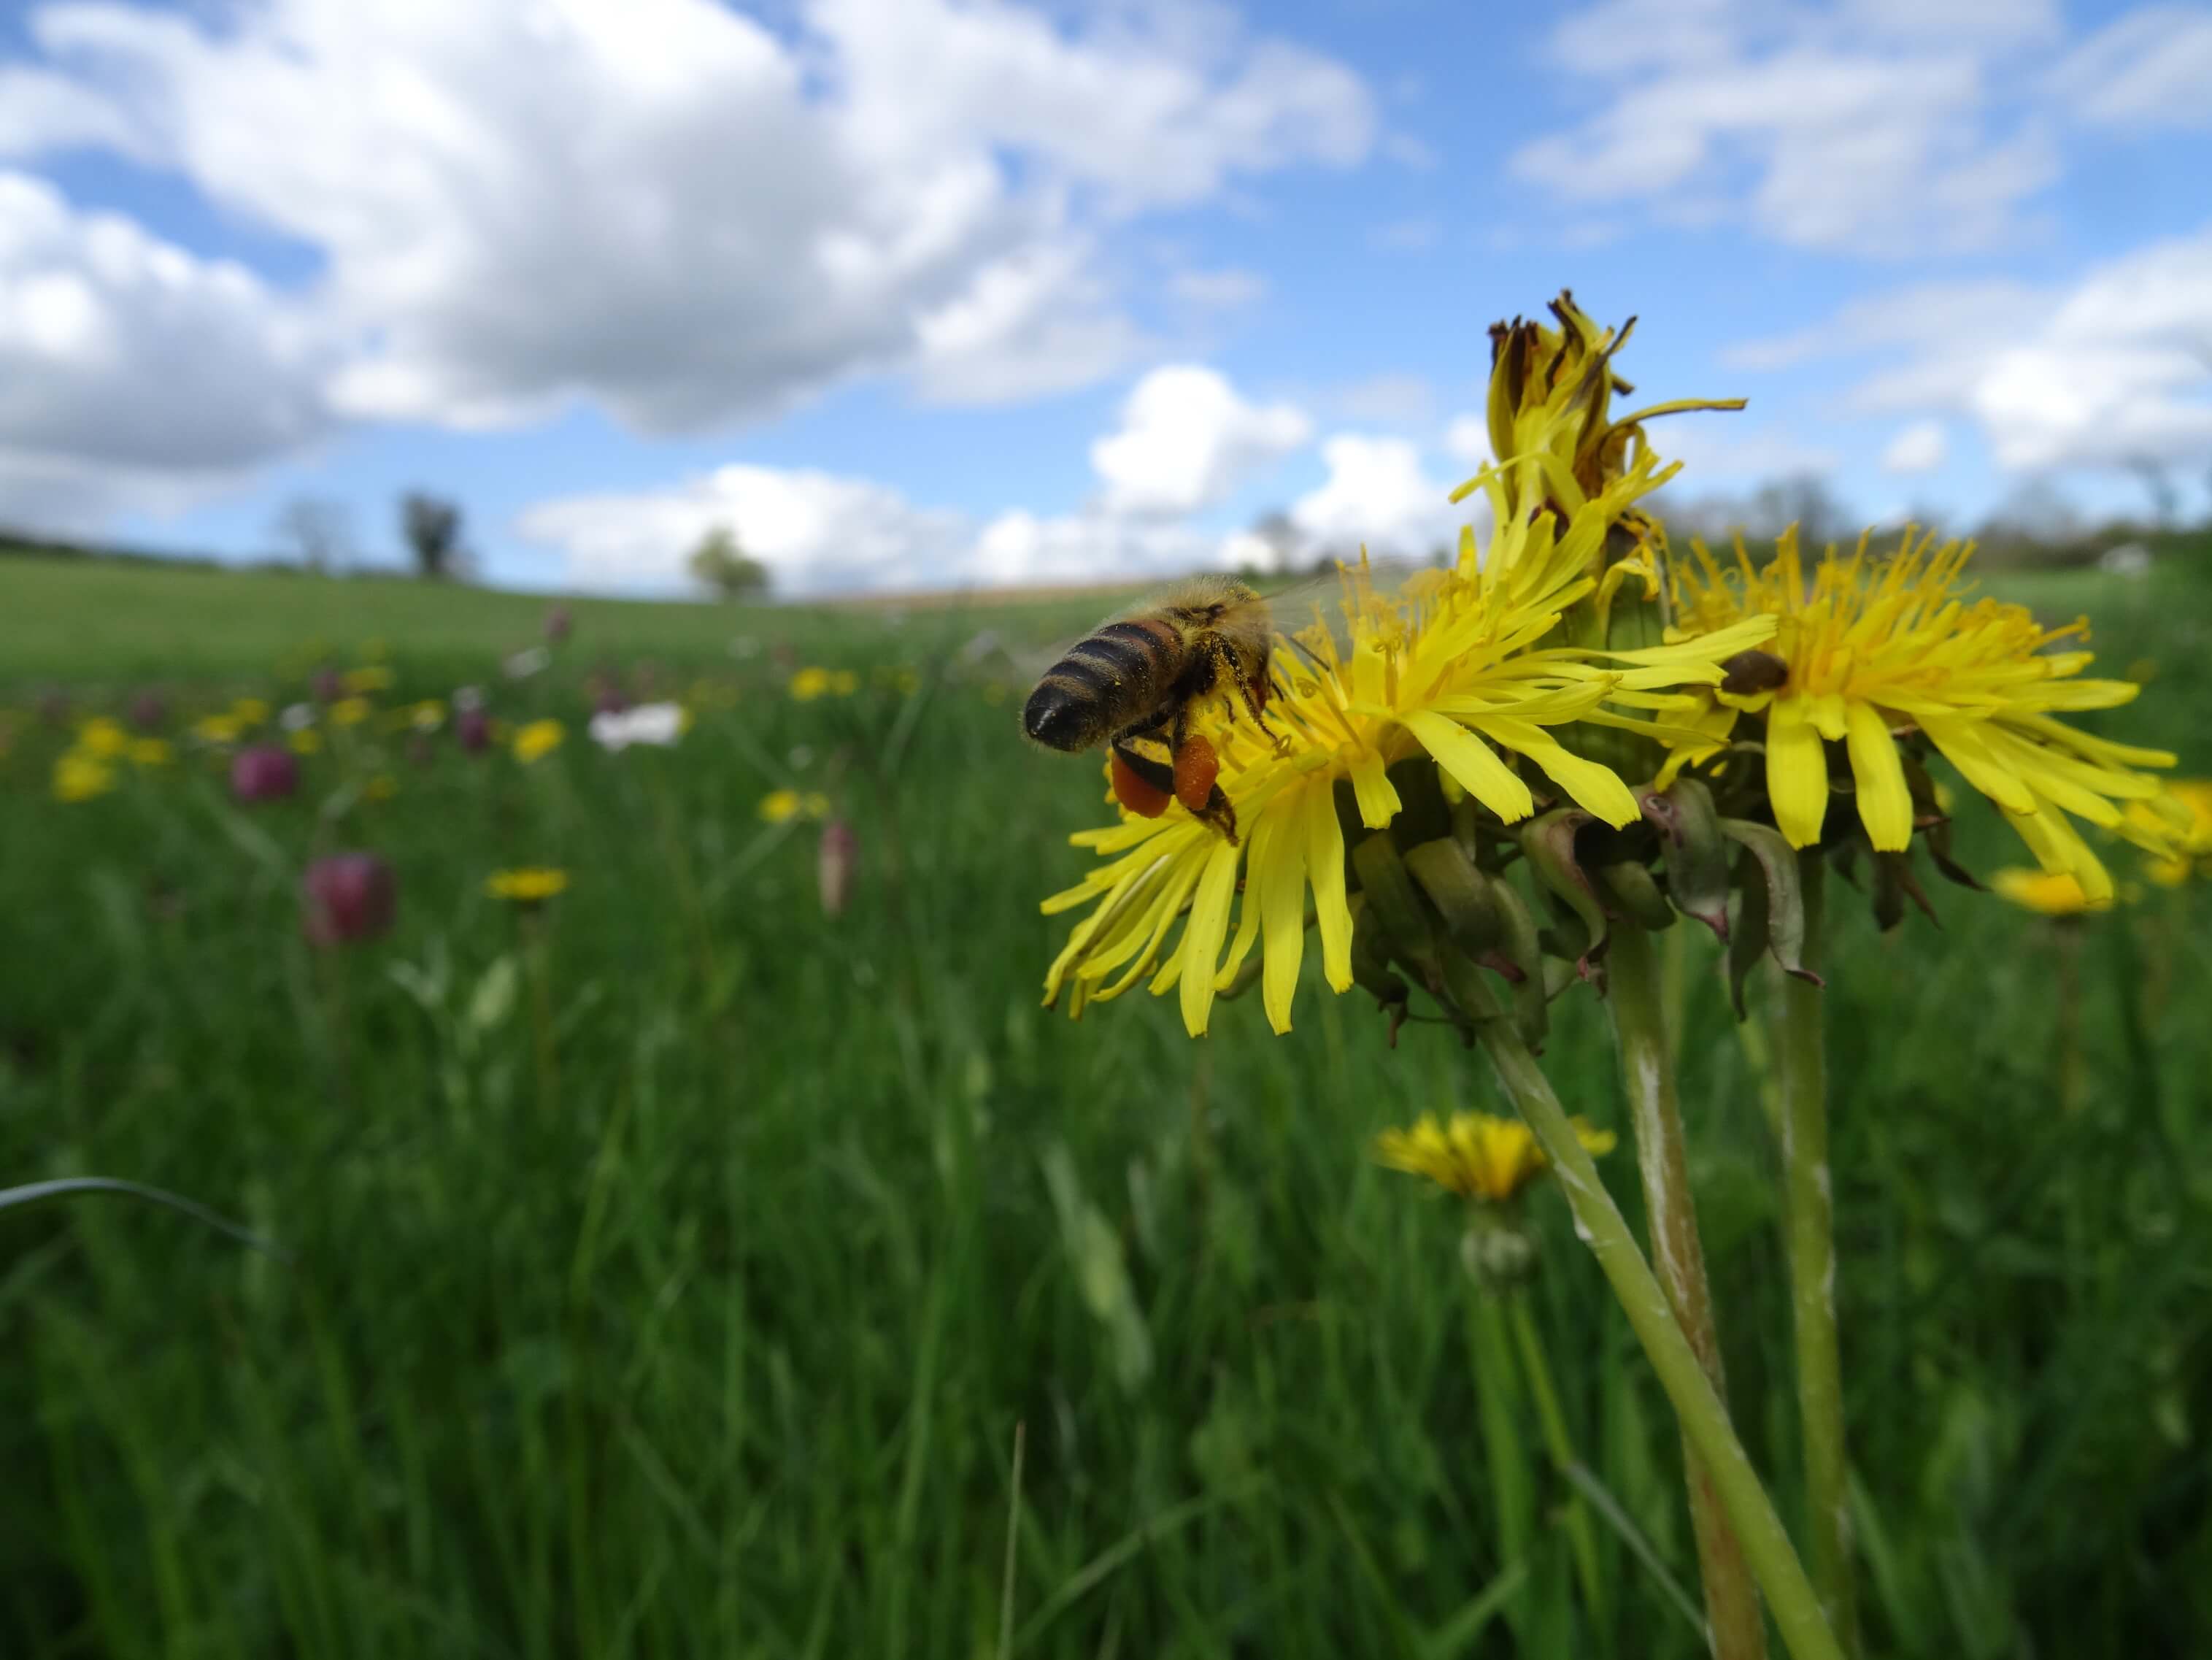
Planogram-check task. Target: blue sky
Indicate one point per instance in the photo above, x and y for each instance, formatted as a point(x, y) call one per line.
point(915, 293)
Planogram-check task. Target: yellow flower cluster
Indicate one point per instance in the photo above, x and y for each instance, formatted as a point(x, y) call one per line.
point(1466, 665)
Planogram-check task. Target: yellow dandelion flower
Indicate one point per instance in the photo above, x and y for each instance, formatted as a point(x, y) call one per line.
point(101, 738)
point(218, 728)
point(530, 886)
point(1454, 668)
point(1873, 650)
point(79, 776)
point(538, 739)
point(1476, 1155)
point(781, 807)
point(350, 711)
point(306, 741)
point(809, 683)
point(2184, 818)
point(2047, 893)
point(249, 711)
point(360, 682)
point(151, 752)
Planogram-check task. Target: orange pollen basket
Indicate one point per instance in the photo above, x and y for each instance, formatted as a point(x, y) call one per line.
point(1143, 799)
point(1196, 767)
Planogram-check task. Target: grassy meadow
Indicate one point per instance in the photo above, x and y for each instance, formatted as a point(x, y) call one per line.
point(676, 1270)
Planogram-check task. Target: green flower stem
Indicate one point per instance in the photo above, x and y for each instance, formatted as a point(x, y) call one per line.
point(1598, 1220)
point(1581, 1534)
point(1647, 1069)
point(1802, 1059)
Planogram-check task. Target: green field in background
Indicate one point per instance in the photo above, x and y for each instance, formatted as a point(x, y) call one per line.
point(669, 1272)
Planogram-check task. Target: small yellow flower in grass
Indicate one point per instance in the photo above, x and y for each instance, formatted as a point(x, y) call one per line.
point(1476, 1155)
point(249, 711)
point(538, 739)
point(2185, 818)
point(360, 682)
point(530, 886)
point(1872, 650)
point(809, 683)
point(305, 740)
point(2047, 893)
point(79, 776)
point(844, 683)
point(101, 738)
point(150, 752)
point(781, 807)
point(218, 728)
point(350, 711)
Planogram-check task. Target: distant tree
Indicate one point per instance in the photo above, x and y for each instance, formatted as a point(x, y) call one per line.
point(720, 563)
point(2158, 483)
point(318, 529)
point(1281, 537)
point(432, 527)
point(1803, 500)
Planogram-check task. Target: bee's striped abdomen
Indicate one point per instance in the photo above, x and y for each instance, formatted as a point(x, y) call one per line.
point(1106, 680)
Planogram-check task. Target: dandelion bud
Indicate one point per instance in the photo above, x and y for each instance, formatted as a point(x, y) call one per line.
point(263, 773)
point(1498, 1249)
point(472, 729)
point(348, 897)
point(835, 863)
point(558, 624)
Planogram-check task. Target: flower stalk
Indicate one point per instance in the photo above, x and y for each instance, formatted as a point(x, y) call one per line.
point(1803, 1063)
point(1647, 1069)
point(1766, 1547)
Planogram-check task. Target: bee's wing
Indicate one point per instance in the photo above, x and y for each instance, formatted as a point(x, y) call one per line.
point(1318, 600)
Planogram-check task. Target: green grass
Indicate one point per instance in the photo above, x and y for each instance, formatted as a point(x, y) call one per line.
point(669, 1274)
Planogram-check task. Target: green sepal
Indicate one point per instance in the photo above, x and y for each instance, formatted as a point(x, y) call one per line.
point(1549, 843)
point(1691, 850)
point(1781, 913)
point(1408, 932)
point(1462, 894)
point(1628, 888)
point(1519, 945)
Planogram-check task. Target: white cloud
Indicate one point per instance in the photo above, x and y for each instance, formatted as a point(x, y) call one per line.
point(1467, 440)
point(669, 209)
point(1186, 441)
point(1067, 548)
point(2115, 371)
point(2147, 69)
point(1921, 447)
point(1884, 127)
point(1378, 496)
point(816, 531)
point(124, 358)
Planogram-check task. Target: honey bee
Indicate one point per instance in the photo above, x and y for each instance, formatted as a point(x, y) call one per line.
point(1132, 683)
